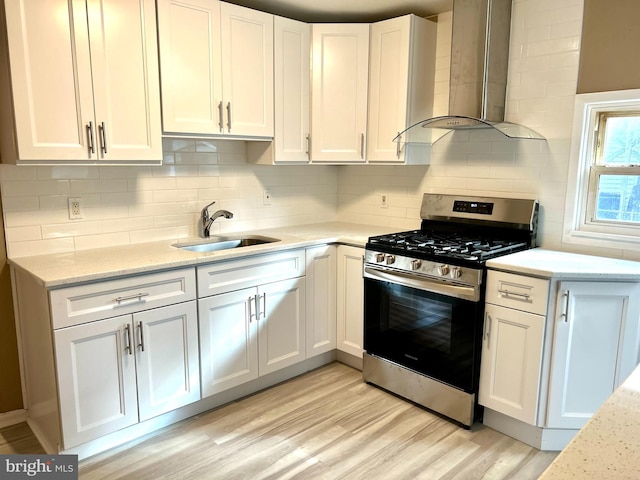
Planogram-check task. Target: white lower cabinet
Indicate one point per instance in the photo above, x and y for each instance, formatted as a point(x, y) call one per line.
point(595, 347)
point(321, 299)
point(511, 359)
point(252, 331)
point(553, 351)
point(350, 300)
point(116, 372)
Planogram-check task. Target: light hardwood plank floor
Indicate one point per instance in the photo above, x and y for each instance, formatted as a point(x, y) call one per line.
point(326, 424)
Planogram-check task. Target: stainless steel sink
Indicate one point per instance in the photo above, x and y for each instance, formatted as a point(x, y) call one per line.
point(213, 244)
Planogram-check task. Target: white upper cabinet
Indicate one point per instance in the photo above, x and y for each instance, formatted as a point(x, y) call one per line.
point(401, 76)
point(190, 59)
point(339, 92)
point(81, 85)
point(292, 97)
point(216, 63)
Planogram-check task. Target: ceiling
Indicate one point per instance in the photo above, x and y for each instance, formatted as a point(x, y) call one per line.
point(319, 11)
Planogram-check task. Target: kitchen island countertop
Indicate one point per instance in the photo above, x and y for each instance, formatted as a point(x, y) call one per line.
point(608, 446)
point(60, 269)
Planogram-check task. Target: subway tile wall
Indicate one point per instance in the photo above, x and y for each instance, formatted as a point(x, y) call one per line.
point(126, 204)
point(137, 204)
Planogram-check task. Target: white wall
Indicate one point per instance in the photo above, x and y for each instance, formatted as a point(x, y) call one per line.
point(131, 204)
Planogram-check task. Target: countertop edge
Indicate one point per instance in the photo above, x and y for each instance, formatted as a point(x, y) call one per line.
point(87, 266)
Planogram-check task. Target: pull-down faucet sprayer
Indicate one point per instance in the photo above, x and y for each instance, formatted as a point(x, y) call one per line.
point(204, 225)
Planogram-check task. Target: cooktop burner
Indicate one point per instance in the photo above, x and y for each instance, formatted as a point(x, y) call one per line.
point(464, 230)
point(445, 244)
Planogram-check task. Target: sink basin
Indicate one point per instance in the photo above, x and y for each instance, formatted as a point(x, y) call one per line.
point(213, 244)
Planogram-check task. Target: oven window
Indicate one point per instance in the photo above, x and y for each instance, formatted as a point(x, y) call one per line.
point(428, 320)
point(431, 333)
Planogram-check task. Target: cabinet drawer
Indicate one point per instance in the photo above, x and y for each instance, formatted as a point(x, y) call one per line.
point(93, 301)
point(233, 275)
point(517, 291)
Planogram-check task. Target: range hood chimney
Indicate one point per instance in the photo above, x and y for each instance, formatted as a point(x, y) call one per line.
point(478, 80)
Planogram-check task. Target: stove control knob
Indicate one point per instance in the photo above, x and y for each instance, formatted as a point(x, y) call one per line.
point(391, 259)
point(379, 257)
point(456, 272)
point(443, 270)
point(416, 264)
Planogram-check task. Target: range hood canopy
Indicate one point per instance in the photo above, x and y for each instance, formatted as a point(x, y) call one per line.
point(478, 80)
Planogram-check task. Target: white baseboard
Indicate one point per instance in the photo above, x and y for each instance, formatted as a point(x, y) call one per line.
point(13, 418)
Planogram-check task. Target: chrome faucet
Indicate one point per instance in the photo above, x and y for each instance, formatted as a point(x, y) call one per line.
point(204, 225)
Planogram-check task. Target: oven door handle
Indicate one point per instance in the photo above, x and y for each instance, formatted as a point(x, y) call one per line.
point(413, 280)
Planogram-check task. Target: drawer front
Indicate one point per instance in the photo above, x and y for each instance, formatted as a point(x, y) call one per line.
point(246, 272)
point(94, 301)
point(518, 291)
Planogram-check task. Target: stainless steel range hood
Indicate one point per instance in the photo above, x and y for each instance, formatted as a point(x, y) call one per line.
point(478, 79)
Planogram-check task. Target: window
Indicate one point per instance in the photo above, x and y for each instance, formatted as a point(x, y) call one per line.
point(614, 176)
point(604, 203)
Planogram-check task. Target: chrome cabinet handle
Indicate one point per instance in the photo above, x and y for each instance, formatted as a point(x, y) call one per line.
point(362, 146)
point(398, 149)
point(141, 344)
point(565, 310)
point(487, 332)
point(516, 294)
point(127, 347)
point(308, 152)
point(137, 297)
point(91, 145)
point(251, 313)
point(263, 310)
point(103, 137)
point(229, 116)
point(220, 117)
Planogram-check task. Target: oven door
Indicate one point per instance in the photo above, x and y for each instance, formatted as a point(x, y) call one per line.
point(433, 333)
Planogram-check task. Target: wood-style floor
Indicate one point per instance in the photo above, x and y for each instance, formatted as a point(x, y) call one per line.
point(326, 424)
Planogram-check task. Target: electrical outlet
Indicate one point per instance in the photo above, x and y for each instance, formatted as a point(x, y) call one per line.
point(75, 208)
point(266, 197)
point(384, 200)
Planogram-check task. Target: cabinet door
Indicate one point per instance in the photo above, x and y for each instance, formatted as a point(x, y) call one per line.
point(50, 78)
point(590, 354)
point(228, 340)
point(350, 300)
point(291, 76)
point(339, 92)
point(190, 65)
point(124, 60)
point(281, 334)
point(511, 362)
point(401, 76)
point(321, 299)
point(167, 363)
point(247, 70)
point(96, 379)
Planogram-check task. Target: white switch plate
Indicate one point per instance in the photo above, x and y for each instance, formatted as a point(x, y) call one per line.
point(266, 197)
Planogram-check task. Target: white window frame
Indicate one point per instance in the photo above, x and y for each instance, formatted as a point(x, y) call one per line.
point(580, 201)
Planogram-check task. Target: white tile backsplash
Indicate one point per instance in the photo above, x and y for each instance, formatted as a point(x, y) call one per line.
point(138, 204)
point(123, 205)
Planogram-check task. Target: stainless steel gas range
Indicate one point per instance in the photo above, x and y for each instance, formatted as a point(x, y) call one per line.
point(424, 298)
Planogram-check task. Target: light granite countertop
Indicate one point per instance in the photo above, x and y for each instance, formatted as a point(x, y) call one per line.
point(543, 263)
point(60, 269)
point(608, 446)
